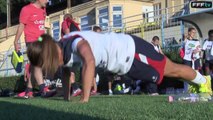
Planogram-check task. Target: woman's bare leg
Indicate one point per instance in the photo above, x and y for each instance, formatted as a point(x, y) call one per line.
point(72, 77)
point(110, 87)
point(29, 83)
point(66, 83)
point(179, 71)
point(38, 75)
point(189, 75)
point(94, 85)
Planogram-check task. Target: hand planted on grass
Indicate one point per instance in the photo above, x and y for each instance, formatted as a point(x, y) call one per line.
point(83, 100)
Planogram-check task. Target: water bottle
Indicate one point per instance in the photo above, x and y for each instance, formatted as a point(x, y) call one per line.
point(190, 97)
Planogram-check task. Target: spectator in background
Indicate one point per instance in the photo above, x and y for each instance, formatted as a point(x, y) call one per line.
point(31, 21)
point(182, 44)
point(97, 29)
point(187, 6)
point(156, 43)
point(110, 79)
point(192, 50)
point(152, 88)
point(94, 90)
point(192, 55)
point(68, 25)
point(208, 53)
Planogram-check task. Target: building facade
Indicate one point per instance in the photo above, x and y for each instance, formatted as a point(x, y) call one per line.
point(108, 14)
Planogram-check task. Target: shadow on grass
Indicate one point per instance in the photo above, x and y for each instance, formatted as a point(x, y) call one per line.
point(12, 111)
point(76, 99)
point(106, 97)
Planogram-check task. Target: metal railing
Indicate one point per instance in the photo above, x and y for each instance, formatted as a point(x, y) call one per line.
point(6, 68)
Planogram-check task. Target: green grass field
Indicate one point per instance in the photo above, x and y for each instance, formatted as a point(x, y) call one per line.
point(104, 107)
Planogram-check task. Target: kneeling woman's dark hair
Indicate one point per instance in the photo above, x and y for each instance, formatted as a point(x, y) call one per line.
point(44, 53)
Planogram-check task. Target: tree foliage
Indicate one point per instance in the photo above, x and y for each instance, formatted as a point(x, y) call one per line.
point(3, 11)
point(3, 8)
point(15, 7)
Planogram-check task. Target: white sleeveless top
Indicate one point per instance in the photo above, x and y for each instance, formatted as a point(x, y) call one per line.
point(191, 45)
point(156, 47)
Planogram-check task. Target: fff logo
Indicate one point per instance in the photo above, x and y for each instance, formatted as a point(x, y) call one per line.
point(201, 4)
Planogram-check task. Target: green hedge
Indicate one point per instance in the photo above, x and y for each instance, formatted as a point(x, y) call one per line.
point(173, 54)
point(15, 83)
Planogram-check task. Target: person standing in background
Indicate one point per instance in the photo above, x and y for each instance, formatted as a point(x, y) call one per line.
point(68, 25)
point(31, 22)
point(95, 88)
point(151, 87)
point(156, 44)
point(192, 50)
point(97, 29)
point(208, 54)
point(192, 55)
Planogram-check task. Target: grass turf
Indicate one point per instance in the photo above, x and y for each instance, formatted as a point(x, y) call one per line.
point(104, 107)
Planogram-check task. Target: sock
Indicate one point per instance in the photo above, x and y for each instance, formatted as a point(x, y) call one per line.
point(138, 82)
point(138, 88)
point(74, 86)
point(28, 90)
point(124, 86)
point(199, 79)
point(110, 91)
point(41, 87)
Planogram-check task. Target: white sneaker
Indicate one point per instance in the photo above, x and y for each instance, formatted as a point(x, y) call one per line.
point(110, 92)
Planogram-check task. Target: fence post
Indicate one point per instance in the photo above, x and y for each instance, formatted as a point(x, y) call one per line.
point(6, 63)
point(162, 30)
point(123, 28)
point(186, 85)
point(142, 30)
point(182, 30)
point(167, 16)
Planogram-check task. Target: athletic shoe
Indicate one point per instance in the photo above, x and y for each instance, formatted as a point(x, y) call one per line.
point(48, 93)
point(127, 90)
point(206, 87)
point(25, 95)
point(110, 92)
point(154, 94)
point(205, 96)
point(193, 88)
point(93, 92)
point(76, 92)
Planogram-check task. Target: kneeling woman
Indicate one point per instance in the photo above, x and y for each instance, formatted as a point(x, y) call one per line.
point(117, 53)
